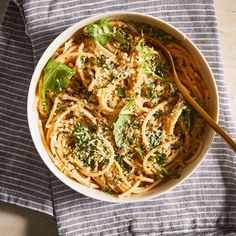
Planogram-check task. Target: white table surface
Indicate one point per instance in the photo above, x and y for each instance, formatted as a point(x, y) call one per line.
point(18, 221)
point(226, 16)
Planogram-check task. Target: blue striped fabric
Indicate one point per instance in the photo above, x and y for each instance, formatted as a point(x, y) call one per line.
point(205, 204)
point(24, 177)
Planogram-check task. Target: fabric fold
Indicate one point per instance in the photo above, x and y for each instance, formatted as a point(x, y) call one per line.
point(24, 177)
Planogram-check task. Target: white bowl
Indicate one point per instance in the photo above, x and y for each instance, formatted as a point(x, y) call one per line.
point(33, 116)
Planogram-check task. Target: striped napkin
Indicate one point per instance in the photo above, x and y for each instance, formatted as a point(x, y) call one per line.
point(205, 204)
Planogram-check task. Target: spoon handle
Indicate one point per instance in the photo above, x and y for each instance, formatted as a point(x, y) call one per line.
point(209, 120)
point(202, 112)
point(189, 98)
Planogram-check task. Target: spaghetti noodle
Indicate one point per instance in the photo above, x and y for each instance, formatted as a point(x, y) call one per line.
point(111, 116)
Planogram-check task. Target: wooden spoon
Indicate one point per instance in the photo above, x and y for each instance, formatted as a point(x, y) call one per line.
point(188, 97)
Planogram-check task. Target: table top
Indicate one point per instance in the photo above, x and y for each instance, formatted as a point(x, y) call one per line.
point(18, 221)
point(226, 16)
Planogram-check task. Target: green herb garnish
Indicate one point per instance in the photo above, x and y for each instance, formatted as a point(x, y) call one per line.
point(119, 36)
point(56, 78)
point(161, 158)
point(86, 150)
point(151, 91)
point(151, 86)
point(120, 123)
point(96, 61)
point(173, 89)
point(157, 32)
point(100, 31)
point(154, 140)
point(81, 134)
point(159, 71)
point(120, 93)
point(100, 87)
point(188, 112)
point(103, 33)
point(147, 61)
point(140, 151)
point(125, 167)
point(168, 174)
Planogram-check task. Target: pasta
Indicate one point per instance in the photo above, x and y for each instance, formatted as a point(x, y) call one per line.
point(111, 117)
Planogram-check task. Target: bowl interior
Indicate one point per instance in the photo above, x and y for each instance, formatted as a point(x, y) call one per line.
point(205, 74)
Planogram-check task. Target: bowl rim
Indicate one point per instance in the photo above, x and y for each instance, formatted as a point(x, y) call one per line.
point(59, 40)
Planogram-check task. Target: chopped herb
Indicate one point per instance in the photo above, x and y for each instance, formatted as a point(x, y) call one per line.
point(95, 61)
point(173, 89)
point(151, 86)
point(158, 114)
point(125, 167)
point(168, 174)
point(81, 134)
point(103, 33)
point(84, 59)
point(120, 122)
point(161, 158)
point(86, 148)
point(158, 175)
point(135, 125)
point(188, 115)
point(100, 87)
point(86, 164)
point(120, 93)
point(157, 32)
point(100, 31)
point(117, 180)
point(109, 191)
point(119, 158)
point(104, 161)
point(154, 140)
point(112, 78)
point(80, 127)
point(146, 59)
point(159, 71)
point(140, 151)
point(66, 155)
point(119, 36)
point(140, 46)
point(94, 127)
point(56, 78)
point(92, 164)
point(152, 93)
